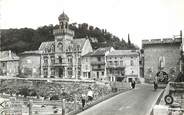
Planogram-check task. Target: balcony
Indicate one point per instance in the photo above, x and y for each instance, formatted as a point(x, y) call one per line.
point(98, 69)
point(115, 66)
point(60, 64)
point(45, 64)
point(63, 31)
point(98, 63)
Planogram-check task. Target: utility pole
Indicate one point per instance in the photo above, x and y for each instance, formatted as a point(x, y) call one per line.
point(0, 41)
point(181, 60)
point(0, 30)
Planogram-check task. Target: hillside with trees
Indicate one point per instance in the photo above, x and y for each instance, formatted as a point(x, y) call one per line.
point(25, 39)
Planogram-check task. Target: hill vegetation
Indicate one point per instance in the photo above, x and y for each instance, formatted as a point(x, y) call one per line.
point(25, 39)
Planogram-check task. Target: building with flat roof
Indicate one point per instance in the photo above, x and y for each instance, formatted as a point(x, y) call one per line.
point(123, 65)
point(162, 55)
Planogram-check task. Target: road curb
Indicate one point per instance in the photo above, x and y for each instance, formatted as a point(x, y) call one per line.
point(97, 101)
point(157, 102)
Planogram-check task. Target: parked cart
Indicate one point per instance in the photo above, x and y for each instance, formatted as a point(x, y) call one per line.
point(175, 88)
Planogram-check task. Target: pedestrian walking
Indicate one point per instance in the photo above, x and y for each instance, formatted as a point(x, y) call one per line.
point(90, 94)
point(83, 100)
point(133, 84)
point(155, 83)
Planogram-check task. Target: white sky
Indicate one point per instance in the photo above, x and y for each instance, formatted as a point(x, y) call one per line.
point(143, 19)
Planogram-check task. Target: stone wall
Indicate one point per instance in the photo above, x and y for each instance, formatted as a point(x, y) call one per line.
point(167, 48)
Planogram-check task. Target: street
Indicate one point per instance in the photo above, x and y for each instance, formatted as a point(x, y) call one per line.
point(138, 101)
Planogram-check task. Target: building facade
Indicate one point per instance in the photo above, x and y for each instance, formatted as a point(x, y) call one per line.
point(9, 63)
point(29, 64)
point(61, 58)
point(86, 66)
point(161, 55)
point(123, 65)
point(98, 62)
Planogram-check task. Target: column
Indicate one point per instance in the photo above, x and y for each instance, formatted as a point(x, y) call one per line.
point(66, 72)
point(56, 73)
point(110, 78)
point(114, 78)
point(49, 69)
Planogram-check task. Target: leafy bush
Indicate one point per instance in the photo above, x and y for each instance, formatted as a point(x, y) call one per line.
point(54, 97)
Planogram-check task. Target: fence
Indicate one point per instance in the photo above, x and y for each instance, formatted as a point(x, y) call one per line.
point(71, 89)
point(20, 107)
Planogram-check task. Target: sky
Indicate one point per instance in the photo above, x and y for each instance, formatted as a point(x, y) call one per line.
point(142, 19)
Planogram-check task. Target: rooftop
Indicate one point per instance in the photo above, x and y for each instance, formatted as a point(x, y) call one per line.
point(48, 46)
point(8, 56)
point(80, 42)
point(162, 41)
point(63, 16)
point(123, 52)
point(101, 51)
point(31, 52)
point(88, 54)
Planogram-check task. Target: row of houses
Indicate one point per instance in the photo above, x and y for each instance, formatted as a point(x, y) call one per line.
point(103, 64)
point(69, 58)
point(112, 65)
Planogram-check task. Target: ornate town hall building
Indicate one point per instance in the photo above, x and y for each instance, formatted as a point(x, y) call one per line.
point(61, 58)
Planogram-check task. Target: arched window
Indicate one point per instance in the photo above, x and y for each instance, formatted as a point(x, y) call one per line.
point(66, 25)
point(52, 48)
point(161, 62)
point(62, 25)
point(60, 46)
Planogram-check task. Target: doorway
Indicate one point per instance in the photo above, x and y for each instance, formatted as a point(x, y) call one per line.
point(97, 75)
point(61, 72)
point(129, 79)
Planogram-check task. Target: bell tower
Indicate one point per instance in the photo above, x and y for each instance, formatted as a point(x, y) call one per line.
point(63, 35)
point(63, 21)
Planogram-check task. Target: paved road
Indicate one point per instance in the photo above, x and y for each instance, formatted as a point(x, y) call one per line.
point(138, 101)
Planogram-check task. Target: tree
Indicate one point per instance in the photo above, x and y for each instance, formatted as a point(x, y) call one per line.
point(129, 42)
point(24, 39)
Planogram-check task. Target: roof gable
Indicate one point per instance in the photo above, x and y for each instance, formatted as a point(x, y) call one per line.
point(101, 51)
point(123, 52)
point(79, 43)
point(8, 56)
point(47, 46)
